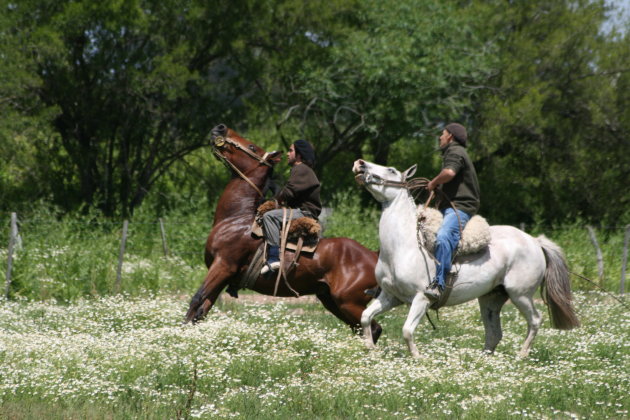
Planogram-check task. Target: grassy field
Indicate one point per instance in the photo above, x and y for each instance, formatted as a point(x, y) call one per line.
point(126, 357)
point(67, 257)
point(72, 347)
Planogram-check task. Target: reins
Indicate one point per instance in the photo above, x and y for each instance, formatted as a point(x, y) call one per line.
point(600, 288)
point(219, 141)
point(414, 186)
point(287, 218)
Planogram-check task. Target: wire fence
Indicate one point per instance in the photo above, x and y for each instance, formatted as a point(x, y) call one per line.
point(186, 239)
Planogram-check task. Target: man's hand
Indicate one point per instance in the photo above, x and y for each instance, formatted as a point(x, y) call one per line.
point(442, 178)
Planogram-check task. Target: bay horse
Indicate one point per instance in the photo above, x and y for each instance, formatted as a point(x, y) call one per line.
point(513, 266)
point(338, 272)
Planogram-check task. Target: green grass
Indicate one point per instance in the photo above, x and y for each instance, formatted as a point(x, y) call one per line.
point(128, 357)
point(71, 347)
point(65, 258)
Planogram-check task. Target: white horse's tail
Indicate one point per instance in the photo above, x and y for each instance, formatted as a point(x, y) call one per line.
point(556, 287)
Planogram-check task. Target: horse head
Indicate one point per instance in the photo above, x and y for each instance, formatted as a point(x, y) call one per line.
point(240, 154)
point(384, 183)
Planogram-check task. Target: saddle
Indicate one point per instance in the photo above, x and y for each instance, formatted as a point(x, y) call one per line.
point(302, 238)
point(475, 237)
point(303, 228)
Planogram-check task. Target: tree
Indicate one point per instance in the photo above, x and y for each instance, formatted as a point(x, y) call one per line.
point(22, 118)
point(136, 86)
point(549, 127)
point(394, 70)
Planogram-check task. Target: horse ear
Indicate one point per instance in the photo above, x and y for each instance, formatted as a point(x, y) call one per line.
point(410, 172)
point(274, 157)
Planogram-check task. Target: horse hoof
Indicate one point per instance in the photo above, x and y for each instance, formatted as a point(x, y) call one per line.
point(369, 344)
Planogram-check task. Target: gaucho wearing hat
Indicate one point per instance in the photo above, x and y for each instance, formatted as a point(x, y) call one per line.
point(458, 181)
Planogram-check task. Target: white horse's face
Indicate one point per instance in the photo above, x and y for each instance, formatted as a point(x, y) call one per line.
point(384, 183)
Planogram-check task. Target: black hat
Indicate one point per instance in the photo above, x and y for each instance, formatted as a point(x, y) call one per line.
point(305, 150)
point(458, 131)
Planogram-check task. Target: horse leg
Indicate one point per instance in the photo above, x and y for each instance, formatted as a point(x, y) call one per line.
point(354, 310)
point(417, 310)
point(214, 282)
point(525, 305)
point(329, 303)
point(382, 303)
point(490, 307)
point(348, 313)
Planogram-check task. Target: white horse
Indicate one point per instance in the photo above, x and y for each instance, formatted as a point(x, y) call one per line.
point(513, 266)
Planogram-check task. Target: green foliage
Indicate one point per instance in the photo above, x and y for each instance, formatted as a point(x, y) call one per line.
point(136, 86)
point(351, 219)
point(398, 70)
point(108, 104)
point(66, 258)
point(548, 131)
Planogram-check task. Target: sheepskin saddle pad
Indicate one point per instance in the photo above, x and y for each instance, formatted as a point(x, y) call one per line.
point(475, 238)
point(302, 227)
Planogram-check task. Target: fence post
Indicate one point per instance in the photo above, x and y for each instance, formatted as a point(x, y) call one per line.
point(123, 242)
point(13, 238)
point(164, 245)
point(624, 260)
point(600, 258)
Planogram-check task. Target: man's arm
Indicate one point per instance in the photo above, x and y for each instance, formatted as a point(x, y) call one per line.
point(301, 179)
point(442, 178)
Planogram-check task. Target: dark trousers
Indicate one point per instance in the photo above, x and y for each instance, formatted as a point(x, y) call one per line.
point(272, 224)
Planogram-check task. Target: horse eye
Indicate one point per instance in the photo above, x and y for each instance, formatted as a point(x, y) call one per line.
point(252, 147)
point(392, 170)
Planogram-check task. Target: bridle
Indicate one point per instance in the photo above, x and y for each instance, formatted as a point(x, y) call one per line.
point(413, 185)
point(220, 141)
point(365, 178)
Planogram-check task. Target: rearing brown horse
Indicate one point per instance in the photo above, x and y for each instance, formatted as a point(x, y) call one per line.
point(338, 272)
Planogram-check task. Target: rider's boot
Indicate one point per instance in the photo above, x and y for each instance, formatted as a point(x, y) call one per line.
point(273, 260)
point(433, 291)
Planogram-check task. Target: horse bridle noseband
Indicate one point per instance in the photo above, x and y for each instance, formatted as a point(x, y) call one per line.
point(219, 142)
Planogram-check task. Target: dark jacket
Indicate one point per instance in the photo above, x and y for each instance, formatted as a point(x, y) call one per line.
point(463, 190)
point(301, 191)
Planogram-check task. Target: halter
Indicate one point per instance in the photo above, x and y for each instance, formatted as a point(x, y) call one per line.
point(219, 142)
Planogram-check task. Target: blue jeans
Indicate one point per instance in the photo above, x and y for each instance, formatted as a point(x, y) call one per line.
point(446, 242)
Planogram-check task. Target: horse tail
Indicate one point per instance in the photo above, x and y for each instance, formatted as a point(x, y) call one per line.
point(556, 287)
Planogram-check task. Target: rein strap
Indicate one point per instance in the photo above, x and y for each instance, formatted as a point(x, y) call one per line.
point(220, 141)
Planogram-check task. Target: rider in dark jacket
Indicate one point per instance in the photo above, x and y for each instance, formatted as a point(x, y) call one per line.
point(301, 194)
point(458, 181)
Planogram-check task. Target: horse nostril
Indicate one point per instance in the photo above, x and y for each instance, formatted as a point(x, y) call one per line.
point(219, 130)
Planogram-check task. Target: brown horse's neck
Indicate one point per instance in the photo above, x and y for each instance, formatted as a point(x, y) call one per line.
point(239, 199)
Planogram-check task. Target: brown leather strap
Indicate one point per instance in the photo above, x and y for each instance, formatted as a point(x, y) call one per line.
point(284, 234)
point(298, 250)
point(450, 281)
point(241, 174)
